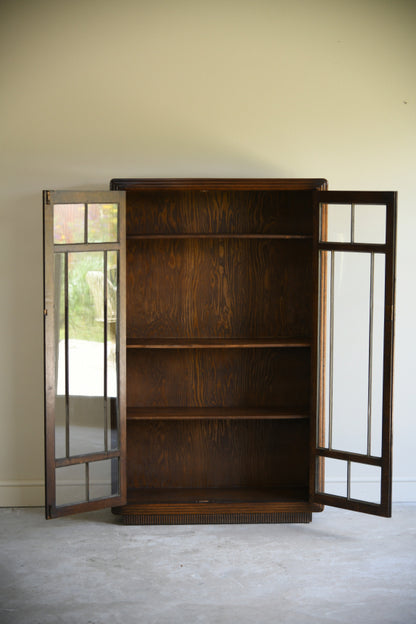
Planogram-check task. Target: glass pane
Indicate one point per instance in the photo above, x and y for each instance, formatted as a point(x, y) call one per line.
point(335, 481)
point(370, 224)
point(68, 223)
point(102, 475)
point(86, 405)
point(70, 485)
point(60, 403)
point(377, 355)
point(86, 352)
point(325, 396)
point(338, 227)
point(365, 483)
point(102, 223)
point(112, 348)
point(351, 395)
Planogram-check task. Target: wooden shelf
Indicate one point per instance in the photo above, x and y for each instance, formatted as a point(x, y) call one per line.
point(153, 236)
point(215, 343)
point(207, 413)
point(216, 495)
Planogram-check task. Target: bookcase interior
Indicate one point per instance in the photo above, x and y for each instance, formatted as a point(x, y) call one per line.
point(219, 327)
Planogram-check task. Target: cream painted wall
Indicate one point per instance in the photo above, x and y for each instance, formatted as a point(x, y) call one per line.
point(92, 90)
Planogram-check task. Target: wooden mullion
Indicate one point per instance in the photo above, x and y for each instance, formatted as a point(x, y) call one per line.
point(66, 359)
point(352, 504)
point(100, 503)
point(353, 247)
point(352, 457)
point(84, 247)
point(88, 457)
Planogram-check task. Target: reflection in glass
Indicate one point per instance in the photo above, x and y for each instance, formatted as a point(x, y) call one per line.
point(112, 349)
point(102, 223)
point(86, 302)
point(68, 223)
point(101, 473)
point(60, 400)
point(71, 485)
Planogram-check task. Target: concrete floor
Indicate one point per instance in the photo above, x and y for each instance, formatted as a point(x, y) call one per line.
point(342, 568)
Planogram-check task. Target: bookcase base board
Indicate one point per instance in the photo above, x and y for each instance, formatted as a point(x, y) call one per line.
point(142, 510)
point(216, 518)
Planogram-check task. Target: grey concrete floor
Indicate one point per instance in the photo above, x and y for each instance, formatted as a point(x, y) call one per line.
point(341, 568)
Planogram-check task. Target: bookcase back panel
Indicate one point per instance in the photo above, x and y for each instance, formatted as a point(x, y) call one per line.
point(222, 288)
point(217, 454)
point(263, 377)
point(238, 212)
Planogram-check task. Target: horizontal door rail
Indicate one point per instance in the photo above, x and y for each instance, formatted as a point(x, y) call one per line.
point(84, 459)
point(352, 457)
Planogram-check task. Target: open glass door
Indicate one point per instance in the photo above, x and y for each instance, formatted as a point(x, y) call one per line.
point(355, 269)
point(84, 302)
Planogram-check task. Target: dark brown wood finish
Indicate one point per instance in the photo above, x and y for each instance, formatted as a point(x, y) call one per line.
point(217, 454)
point(221, 353)
point(229, 413)
point(318, 452)
point(215, 343)
point(219, 289)
point(219, 333)
point(213, 212)
point(221, 184)
point(219, 378)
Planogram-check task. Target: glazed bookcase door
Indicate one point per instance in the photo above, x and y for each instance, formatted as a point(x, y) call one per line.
point(84, 302)
point(355, 271)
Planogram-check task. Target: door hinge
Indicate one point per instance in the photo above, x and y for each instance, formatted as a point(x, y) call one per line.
point(47, 197)
point(392, 312)
point(45, 312)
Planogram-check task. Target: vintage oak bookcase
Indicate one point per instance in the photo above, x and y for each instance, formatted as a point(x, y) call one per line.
point(215, 347)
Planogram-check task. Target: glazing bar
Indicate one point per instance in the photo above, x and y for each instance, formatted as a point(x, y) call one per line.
point(85, 223)
point(348, 480)
point(370, 355)
point(105, 291)
point(66, 343)
point(352, 222)
point(331, 349)
point(87, 481)
point(114, 431)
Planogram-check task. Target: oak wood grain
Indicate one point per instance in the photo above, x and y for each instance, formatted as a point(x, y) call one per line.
point(241, 378)
point(217, 454)
point(192, 288)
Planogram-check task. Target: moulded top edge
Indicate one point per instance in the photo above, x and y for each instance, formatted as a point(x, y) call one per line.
point(203, 184)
